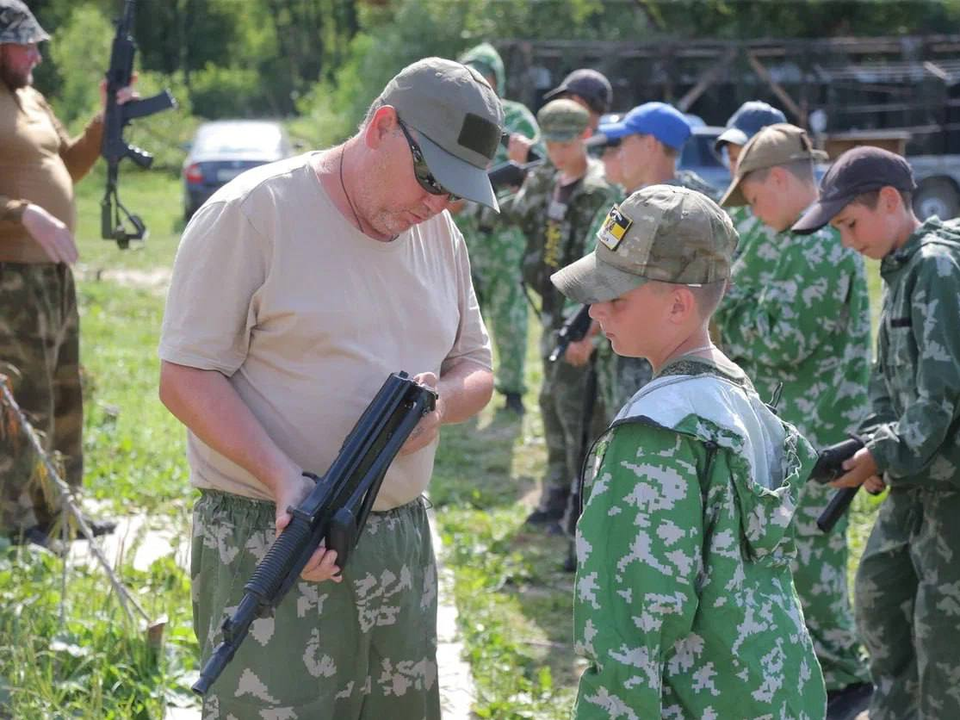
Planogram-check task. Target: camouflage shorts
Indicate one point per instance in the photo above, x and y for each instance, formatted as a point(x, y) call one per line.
point(40, 352)
point(364, 648)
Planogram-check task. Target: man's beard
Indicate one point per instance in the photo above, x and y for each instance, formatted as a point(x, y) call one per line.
point(13, 81)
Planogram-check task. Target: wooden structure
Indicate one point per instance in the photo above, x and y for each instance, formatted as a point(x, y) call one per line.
point(910, 84)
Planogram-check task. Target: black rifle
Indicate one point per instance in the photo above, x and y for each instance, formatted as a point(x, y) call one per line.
point(575, 501)
point(574, 330)
point(511, 173)
point(335, 510)
point(115, 118)
point(829, 467)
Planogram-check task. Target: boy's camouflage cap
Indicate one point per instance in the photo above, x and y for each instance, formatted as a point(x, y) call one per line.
point(18, 25)
point(774, 145)
point(662, 232)
point(562, 120)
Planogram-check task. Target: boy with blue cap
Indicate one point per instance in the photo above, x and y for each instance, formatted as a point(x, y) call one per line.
point(649, 139)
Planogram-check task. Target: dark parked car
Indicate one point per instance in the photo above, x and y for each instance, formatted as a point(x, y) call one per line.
point(223, 149)
point(699, 156)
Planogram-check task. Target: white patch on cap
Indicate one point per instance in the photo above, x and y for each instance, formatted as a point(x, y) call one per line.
point(614, 228)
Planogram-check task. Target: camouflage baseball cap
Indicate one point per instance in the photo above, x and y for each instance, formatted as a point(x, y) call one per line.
point(18, 25)
point(774, 145)
point(562, 120)
point(662, 232)
point(458, 118)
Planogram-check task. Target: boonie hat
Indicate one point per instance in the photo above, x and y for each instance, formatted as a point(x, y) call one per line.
point(663, 121)
point(774, 145)
point(747, 121)
point(562, 120)
point(589, 84)
point(662, 232)
point(859, 170)
point(458, 118)
point(18, 25)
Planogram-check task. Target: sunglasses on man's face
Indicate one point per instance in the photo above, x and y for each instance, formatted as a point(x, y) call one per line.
point(420, 170)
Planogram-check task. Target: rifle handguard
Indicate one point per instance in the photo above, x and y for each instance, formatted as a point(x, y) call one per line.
point(828, 468)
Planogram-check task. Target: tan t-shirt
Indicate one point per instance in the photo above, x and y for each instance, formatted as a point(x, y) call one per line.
point(307, 317)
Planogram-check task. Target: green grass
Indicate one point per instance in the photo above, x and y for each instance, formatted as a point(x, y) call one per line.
point(515, 604)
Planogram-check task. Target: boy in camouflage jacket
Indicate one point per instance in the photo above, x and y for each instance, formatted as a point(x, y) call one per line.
point(684, 602)
point(908, 582)
point(799, 319)
point(552, 207)
point(496, 244)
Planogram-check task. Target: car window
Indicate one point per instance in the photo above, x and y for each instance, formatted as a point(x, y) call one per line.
point(238, 139)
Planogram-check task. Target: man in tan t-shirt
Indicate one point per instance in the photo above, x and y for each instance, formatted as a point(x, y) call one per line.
point(39, 322)
point(297, 289)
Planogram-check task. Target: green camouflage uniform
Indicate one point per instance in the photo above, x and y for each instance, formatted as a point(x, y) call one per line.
point(553, 242)
point(618, 378)
point(908, 583)
point(496, 245)
point(797, 312)
point(364, 647)
point(684, 602)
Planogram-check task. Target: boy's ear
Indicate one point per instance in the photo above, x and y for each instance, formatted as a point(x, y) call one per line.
point(890, 198)
point(683, 304)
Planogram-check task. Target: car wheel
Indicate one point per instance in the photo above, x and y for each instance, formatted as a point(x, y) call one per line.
point(937, 196)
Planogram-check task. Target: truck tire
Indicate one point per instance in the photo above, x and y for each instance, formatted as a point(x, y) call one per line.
point(937, 196)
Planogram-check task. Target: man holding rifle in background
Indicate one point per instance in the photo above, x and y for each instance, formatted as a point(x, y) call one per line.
point(297, 289)
point(39, 322)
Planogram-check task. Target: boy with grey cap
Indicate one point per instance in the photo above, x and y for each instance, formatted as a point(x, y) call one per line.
point(684, 603)
point(297, 288)
point(908, 581)
point(553, 206)
point(803, 326)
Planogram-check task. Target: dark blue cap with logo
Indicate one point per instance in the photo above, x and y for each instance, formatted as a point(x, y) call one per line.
point(747, 121)
point(663, 121)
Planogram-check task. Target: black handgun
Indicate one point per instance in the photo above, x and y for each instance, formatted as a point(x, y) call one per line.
point(573, 330)
point(335, 511)
point(115, 118)
point(828, 468)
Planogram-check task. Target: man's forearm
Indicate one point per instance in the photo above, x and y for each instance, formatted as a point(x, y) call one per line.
point(206, 402)
point(464, 390)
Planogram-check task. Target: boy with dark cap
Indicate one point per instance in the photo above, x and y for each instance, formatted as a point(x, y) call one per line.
point(552, 208)
point(803, 326)
point(684, 602)
point(908, 582)
point(589, 88)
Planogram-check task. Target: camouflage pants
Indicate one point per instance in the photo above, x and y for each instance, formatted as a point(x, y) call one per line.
point(40, 351)
point(495, 262)
point(363, 648)
point(562, 405)
point(820, 576)
point(908, 605)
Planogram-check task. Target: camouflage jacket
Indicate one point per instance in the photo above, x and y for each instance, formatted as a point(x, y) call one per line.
point(915, 384)
point(684, 601)
point(618, 377)
point(475, 219)
point(797, 312)
point(555, 233)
